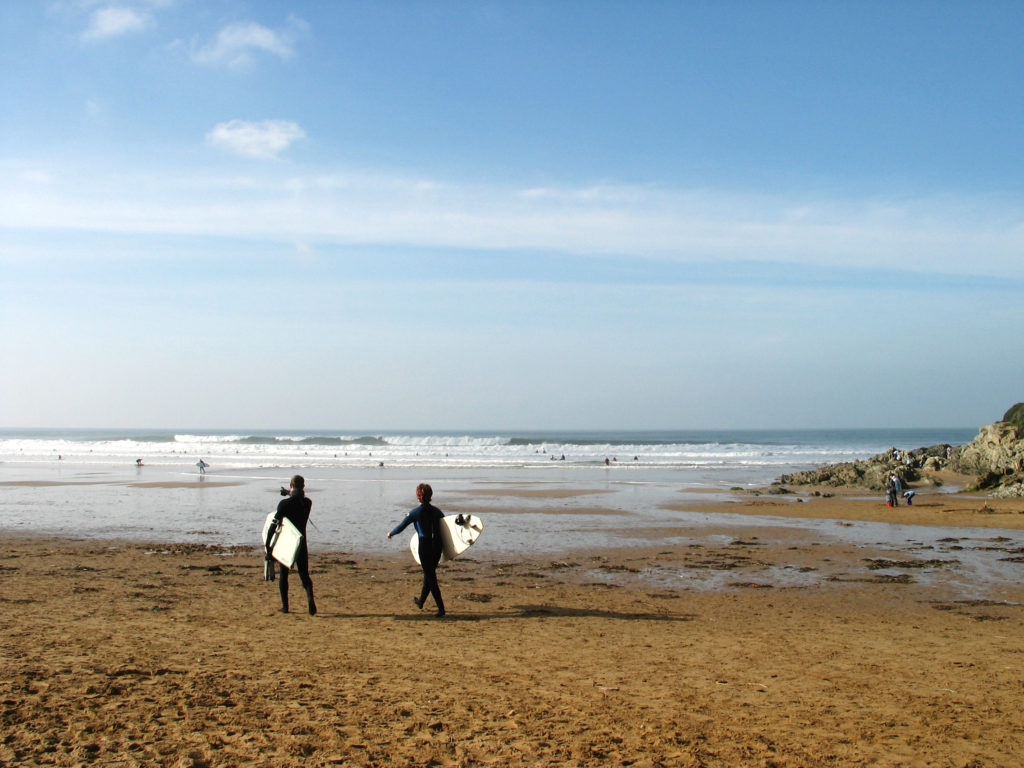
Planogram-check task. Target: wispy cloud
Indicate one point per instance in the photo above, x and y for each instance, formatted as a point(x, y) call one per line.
point(928, 235)
point(114, 21)
point(263, 140)
point(237, 46)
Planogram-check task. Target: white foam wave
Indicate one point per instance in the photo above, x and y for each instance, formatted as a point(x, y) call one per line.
point(241, 450)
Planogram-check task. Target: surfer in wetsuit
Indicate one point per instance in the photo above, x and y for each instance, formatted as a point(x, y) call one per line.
point(427, 520)
point(296, 508)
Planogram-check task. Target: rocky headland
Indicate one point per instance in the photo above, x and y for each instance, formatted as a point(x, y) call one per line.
point(994, 459)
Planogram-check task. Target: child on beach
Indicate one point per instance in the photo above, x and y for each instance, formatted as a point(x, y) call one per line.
point(427, 520)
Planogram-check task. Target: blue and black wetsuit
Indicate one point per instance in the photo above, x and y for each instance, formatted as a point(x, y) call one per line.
point(296, 508)
point(427, 520)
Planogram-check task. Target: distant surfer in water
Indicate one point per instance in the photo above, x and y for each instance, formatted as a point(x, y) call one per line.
point(296, 508)
point(427, 520)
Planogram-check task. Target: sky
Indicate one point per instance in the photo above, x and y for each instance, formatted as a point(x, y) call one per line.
point(510, 215)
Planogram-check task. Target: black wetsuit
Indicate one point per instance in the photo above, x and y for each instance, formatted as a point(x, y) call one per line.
point(427, 520)
point(296, 508)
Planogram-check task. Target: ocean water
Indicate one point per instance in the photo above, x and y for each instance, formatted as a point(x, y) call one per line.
point(611, 489)
point(87, 482)
point(744, 456)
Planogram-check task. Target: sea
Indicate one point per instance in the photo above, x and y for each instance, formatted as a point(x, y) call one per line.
point(539, 493)
point(702, 456)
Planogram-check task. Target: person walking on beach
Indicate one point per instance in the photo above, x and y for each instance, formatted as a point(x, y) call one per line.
point(296, 508)
point(427, 520)
point(897, 487)
point(202, 466)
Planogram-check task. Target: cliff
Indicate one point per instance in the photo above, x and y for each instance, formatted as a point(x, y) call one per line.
point(995, 457)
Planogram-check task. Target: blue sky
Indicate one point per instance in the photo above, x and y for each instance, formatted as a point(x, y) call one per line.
point(510, 215)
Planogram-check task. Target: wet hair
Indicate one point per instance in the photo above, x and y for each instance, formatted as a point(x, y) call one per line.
point(299, 483)
point(425, 492)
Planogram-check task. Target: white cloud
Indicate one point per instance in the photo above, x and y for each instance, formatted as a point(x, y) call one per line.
point(979, 236)
point(237, 45)
point(113, 21)
point(265, 139)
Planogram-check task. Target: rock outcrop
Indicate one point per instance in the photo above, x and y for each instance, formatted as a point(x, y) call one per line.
point(995, 457)
point(873, 474)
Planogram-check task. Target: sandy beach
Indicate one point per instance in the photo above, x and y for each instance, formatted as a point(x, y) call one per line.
point(121, 654)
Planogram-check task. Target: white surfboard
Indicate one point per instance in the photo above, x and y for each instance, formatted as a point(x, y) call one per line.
point(284, 546)
point(458, 532)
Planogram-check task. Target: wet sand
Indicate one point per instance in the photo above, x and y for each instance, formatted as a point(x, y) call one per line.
point(930, 507)
point(121, 654)
point(164, 484)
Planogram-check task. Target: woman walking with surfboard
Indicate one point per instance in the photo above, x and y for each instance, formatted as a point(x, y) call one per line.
point(427, 520)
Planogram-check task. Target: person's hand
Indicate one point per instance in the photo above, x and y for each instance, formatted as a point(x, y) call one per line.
point(389, 534)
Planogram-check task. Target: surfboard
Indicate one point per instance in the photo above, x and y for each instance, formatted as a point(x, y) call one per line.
point(287, 539)
point(458, 532)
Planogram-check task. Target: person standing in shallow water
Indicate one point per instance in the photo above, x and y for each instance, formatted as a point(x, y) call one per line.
point(296, 508)
point(427, 520)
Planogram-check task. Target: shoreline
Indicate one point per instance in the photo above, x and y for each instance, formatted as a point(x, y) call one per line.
point(815, 536)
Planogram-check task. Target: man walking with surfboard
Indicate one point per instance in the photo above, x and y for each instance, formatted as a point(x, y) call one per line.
point(296, 508)
point(427, 520)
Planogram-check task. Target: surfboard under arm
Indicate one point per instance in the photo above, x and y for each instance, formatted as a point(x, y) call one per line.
point(458, 533)
point(285, 542)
